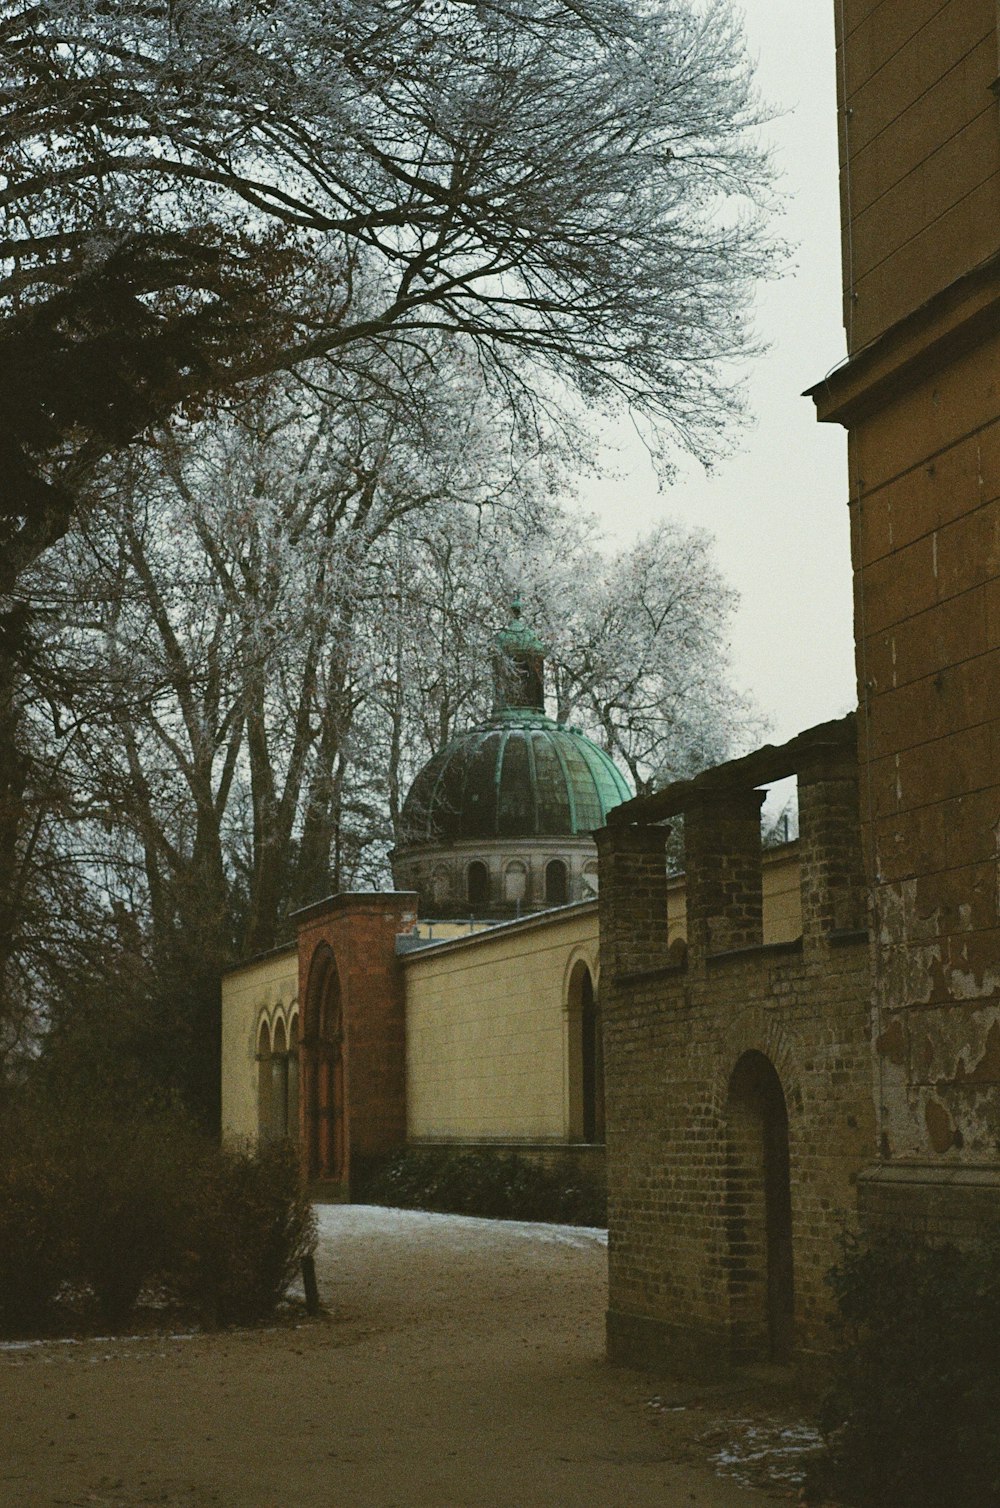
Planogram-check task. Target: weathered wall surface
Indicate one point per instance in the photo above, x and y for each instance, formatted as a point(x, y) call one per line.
point(265, 991)
point(487, 1030)
point(920, 175)
point(695, 1156)
point(920, 397)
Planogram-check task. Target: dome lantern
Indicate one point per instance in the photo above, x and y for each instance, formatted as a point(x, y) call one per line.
point(518, 665)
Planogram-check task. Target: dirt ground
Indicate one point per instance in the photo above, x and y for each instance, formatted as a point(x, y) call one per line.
point(460, 1364)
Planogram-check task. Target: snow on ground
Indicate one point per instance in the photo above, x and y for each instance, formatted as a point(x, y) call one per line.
point(463, 1231)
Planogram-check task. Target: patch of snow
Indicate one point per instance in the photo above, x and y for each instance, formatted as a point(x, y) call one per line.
point(380, 1220)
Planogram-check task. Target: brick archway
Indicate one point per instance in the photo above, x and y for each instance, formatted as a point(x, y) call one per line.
point(759, 1253)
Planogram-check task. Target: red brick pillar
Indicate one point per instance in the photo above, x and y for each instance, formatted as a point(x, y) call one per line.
point(722, 860)
point(834, 894)
point(632, 899)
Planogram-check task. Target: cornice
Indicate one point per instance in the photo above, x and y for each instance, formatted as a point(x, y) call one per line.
point(954, 321)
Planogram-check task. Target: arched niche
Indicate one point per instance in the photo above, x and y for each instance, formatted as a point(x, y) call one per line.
point(322, 1062)
point(759, 1212)
point(586, 1056)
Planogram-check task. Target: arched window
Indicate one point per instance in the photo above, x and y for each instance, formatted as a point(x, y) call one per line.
point(556, 883)
point(279, 1082)
point(586, 1059)
point(293, 1078)
point(759, 1212)
point(478, 882)
point(264, 1131)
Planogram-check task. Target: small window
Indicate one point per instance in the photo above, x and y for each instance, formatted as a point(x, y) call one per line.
point(556, 883)
point(478, 881)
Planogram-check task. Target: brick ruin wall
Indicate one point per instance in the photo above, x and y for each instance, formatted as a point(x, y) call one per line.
point(688, 1256)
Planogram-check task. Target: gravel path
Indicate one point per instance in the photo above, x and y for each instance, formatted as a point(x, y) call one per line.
point(461, 1364)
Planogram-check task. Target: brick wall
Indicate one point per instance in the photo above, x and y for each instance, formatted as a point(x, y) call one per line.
point(359, 931)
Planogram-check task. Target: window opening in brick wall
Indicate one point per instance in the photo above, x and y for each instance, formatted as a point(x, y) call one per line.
point(759, 1213)
point(779, 816)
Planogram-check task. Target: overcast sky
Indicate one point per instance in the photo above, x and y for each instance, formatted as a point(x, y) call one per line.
point(778, 507)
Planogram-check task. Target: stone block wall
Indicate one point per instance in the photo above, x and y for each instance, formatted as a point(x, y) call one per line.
point(705, 1063)
point(920, 399)
point(920, 188)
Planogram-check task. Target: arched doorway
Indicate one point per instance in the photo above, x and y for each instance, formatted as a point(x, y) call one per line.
point(323, 1071)
point(759, 1213)
point(586, 1058)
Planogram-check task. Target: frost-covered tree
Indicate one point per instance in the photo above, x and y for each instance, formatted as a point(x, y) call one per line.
point(198, 193)
point(636, 637)
point(269, 624)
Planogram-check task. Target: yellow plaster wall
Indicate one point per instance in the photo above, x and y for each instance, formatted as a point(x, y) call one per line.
point(267, 987)
point(487, 1030)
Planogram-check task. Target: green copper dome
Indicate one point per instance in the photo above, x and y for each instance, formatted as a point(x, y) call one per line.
point(519, 775)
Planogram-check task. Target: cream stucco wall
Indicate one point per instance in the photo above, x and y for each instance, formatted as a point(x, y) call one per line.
point(263, 990)
point(487, 1030)
point(490, 1051)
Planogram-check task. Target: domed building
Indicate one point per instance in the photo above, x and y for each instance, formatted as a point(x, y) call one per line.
point(498, 823)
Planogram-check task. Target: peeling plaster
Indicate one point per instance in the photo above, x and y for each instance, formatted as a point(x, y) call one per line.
point(964, 985)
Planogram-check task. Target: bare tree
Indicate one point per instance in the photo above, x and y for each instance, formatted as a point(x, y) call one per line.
point(197, 194)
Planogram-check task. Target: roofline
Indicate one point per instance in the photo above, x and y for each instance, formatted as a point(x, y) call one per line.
point(837, 738)
point(537, 921)
point(248, 963)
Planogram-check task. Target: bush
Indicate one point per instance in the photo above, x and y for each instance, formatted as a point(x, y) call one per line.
point(128, 1180)
point(34, 1251)
point(248, 1225)
point(99, 1208)
point(912, 1417)
point(495, 1184)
